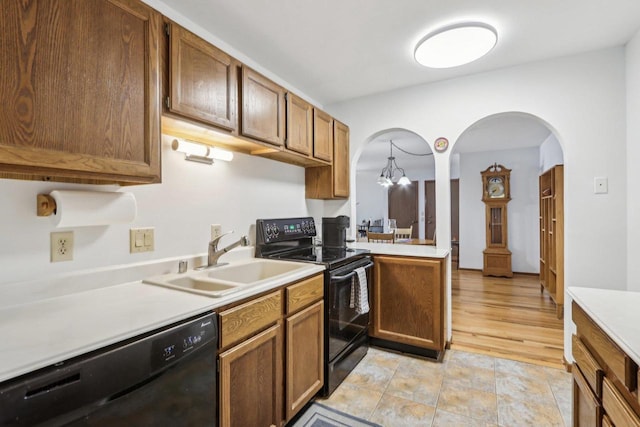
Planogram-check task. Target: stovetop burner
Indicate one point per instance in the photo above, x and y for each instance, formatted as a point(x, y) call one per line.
point(320, 255)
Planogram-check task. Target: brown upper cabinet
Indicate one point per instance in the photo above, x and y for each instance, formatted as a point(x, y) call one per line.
point(262, 108)
point(322, 135)
point(203, 80)
point(299, 125)
point(80, 91)
point(331, 182)
point(340, 159)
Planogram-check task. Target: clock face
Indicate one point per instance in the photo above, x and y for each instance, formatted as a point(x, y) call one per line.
point(495, 187)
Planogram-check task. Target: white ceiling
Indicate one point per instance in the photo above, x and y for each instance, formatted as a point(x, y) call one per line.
point(335, 50)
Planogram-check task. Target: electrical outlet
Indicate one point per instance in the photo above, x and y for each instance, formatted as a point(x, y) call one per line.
point(141, 240)
point(62, 246)
point(216, 231)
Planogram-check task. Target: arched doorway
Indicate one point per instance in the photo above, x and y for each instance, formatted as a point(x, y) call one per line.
point(376, 204)
point(508, 317)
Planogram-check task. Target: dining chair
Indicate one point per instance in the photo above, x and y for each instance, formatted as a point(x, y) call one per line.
point(403, 233)
point(380, 237)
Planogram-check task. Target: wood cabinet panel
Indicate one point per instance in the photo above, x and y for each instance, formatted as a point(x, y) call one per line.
point(551, 189)
point(322, 135)
point(245, 320)
point(304, 293)
point(263, 108)
point(340, 159)
point(592, 372)
point(203, 79)
point(299, 124)
point(304, 361)
point(81, 92)
point(605, 351)
point(251, 381)
point(587, 411)
point(408, 301)
point(616, 408)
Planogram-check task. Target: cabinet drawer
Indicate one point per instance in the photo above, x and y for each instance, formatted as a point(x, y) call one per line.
point(606, 351)
point(616, 407)
point(304, 293)
point(586, 408)
point(589, 367)
point(247, 319)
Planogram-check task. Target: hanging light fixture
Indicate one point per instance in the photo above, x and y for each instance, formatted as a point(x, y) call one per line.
point(387, 174)
point(201, 153)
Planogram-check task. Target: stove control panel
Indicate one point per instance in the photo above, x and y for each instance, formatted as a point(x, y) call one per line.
point(282, 229)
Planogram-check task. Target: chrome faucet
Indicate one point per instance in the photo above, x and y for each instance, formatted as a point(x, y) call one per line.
point(214, 253)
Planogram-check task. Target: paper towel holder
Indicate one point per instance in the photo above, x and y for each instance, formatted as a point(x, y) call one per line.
point(46, 205)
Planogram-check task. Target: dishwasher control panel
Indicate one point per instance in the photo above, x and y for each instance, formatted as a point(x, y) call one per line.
point(178, 343)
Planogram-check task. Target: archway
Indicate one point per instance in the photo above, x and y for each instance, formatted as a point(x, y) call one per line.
point(413, 155)
point(528, 146)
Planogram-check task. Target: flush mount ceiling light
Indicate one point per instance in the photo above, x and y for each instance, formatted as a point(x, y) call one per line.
point(387, 173)
point(201, 153)
point(456, 45)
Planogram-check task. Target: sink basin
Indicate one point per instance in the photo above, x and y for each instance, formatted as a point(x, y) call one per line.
point(220, 281)
point(253, 272)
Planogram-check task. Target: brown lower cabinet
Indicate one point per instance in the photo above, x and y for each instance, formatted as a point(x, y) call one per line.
point(605, 389)
point(271, 360)
point(251, 381)
point(408, 301)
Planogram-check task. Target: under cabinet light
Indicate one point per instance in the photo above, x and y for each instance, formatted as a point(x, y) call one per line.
point(201, 153)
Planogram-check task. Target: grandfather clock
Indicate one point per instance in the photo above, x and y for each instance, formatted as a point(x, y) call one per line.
point(496, 194)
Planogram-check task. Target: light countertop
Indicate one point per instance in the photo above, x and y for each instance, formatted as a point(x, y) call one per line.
point(616, 312)
point(54, 328)
point(425, 251)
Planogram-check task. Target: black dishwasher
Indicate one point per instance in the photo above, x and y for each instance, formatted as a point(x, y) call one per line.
point(164, 377)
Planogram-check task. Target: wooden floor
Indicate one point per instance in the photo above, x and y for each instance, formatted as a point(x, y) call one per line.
point(506, 318)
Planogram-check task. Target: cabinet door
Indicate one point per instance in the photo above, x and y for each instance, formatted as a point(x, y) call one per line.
point(299, 124)
point(305, 357)
point(408, 301)
point(263, 109)
point(322, 135)
point(204, 80)
point(587, 412)
point(80, 90)
point(251, 381)
point(340, 160)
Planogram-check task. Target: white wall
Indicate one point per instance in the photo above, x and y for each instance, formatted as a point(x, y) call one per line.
point(372, 202)
point(633, 162)
point(550, 154)
point(522, 211)
point(581, 97)
point(191, 197)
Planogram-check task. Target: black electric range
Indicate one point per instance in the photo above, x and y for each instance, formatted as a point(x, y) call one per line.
point(346, 338)
point(292, 239)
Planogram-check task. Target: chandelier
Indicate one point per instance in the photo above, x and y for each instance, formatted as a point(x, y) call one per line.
point(388, 172)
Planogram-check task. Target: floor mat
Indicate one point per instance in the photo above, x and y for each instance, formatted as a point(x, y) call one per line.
point(322, 416)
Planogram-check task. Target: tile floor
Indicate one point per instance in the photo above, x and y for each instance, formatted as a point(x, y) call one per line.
point(467, 389)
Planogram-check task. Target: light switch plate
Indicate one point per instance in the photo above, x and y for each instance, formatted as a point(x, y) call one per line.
point(141, 240)
point(62, 246)
point(600, 185)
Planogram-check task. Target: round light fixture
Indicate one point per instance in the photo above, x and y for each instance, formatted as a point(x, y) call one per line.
point(456, 45)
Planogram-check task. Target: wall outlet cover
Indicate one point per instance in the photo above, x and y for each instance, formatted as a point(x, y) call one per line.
point(62, 246)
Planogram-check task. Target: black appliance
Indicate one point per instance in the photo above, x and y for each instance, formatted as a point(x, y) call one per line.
point(346, 340)
point(334, 232)
point(164, 377)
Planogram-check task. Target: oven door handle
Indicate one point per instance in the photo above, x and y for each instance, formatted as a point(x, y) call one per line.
point(346, 276)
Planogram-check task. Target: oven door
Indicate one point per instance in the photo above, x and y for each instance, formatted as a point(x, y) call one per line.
point(344, 323)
